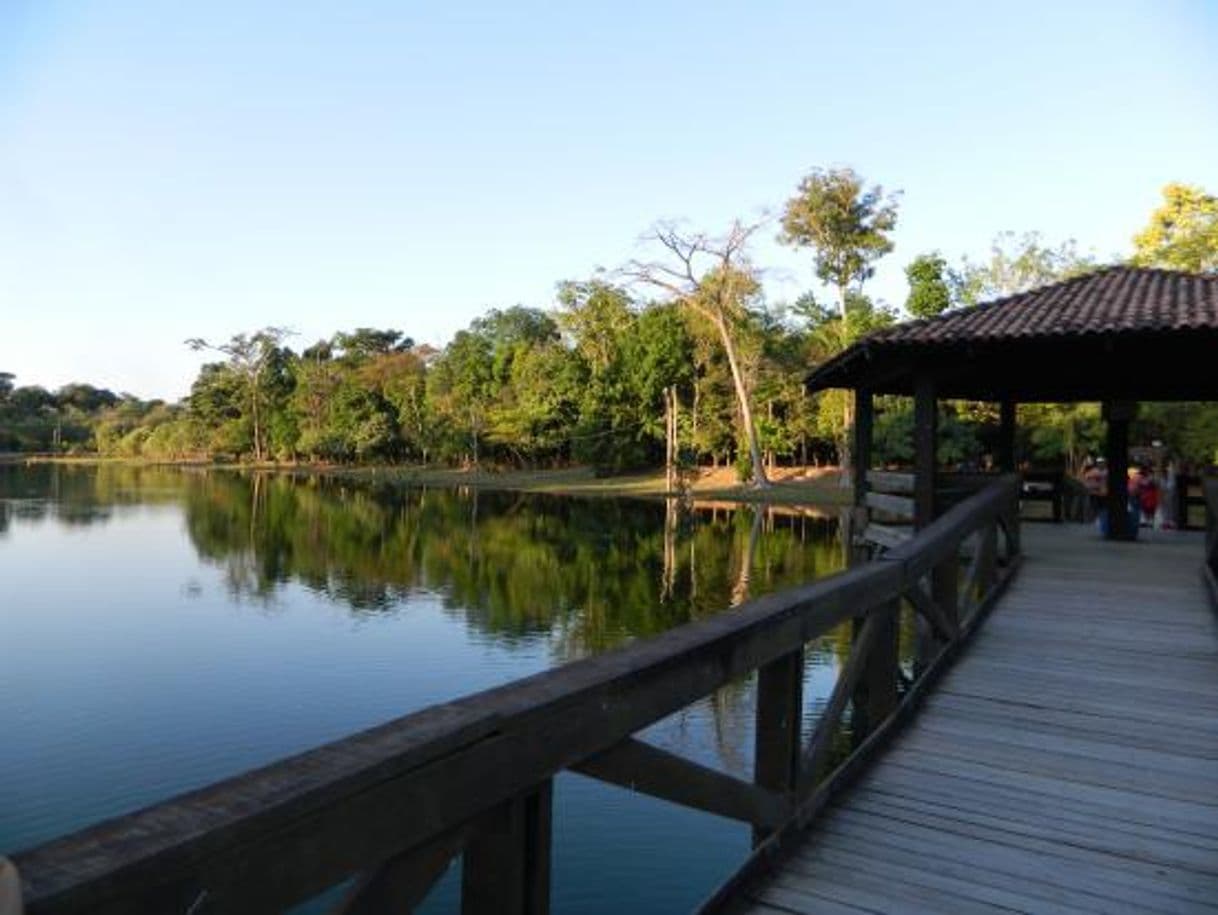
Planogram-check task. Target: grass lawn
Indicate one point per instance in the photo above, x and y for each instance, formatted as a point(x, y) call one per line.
point(790, 485)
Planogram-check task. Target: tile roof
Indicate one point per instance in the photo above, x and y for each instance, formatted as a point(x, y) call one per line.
point(1111, 300)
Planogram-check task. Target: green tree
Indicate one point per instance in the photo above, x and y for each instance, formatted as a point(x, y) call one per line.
point(249, 357)
point(1182, 233)
point(848, 226)
point(1016, 264)
point(929, 293)
point(714, 278)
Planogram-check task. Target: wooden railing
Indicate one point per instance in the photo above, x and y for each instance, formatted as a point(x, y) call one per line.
point(1210, 569)
point(1191, 491)
point(388, 809)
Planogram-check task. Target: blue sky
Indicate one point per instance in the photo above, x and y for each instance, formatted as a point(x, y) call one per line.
point(171, 170)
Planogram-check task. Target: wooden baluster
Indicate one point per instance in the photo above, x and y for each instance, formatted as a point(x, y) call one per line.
point(507, 866)
point(987, 573)
point(776, 755)
point(945, 589)
point(875, 697)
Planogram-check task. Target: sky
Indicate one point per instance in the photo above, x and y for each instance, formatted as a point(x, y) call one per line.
point(172, 170)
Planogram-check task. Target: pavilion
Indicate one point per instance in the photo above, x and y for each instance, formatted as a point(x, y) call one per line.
point(1117, 335)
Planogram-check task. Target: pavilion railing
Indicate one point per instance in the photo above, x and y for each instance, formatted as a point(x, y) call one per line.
point(386, 811)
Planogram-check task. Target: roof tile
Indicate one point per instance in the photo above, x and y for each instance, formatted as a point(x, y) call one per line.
point(1111, 300)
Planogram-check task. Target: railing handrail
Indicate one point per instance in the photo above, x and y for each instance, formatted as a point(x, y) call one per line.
point(283, 832)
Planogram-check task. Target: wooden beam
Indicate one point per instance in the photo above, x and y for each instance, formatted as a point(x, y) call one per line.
point(507, 865)
point(403, 882)
point(779, 712)
point(639, 766)
point(890, 481)
point(899, 506)
point(926, 433)
point(1006, 436)
point(886, 535)
point(945, 628)
point(848, 678)
point(864, 419)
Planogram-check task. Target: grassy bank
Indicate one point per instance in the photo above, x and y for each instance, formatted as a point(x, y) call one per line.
point(818, 486)
point(791, 485)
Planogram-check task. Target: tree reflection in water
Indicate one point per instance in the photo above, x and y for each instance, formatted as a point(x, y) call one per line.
point(579, 575)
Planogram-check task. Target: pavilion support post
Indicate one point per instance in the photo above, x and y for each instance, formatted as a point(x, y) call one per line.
point(926, 464)
point(855, 519)
point(926, 434)
point(1118, 415)
point(1006, 436)
point(864, 423)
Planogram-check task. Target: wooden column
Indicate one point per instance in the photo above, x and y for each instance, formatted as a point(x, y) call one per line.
point(777, 750)
point(854, 520)
point(507, 866)
point(1118, 415)
point(926, 433)
point(1006, 436)
point(864, 421)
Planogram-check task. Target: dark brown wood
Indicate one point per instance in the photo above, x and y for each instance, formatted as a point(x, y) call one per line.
point(876, 694)
point(864, 419)
point(1116, 450)
point(402, 883)
point(777, 741)
point(900, 506)
point(817, 751)
point(1006, 436)
point(926, 434)
point(891, 481)
point(945, 589)
point(642, 767)
point(1171, 367)
point(886, 535)
point(506, 870)
point(945, 628)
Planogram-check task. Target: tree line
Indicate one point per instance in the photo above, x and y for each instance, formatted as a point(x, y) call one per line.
point(676, 359)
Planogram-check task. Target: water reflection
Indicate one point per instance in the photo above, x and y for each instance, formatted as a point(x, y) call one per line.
point(151, 665)
point(587, 574)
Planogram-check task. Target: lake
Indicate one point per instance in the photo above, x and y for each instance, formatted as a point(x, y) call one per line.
point(163, 628)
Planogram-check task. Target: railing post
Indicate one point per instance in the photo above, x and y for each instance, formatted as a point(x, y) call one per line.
point(776, 755)
point(945, 587)
point(876, 694)
point(506, 868)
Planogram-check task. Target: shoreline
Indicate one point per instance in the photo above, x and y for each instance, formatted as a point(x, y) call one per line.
point(790, 485)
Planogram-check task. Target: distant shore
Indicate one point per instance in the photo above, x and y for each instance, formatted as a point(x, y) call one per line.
point(791, 485)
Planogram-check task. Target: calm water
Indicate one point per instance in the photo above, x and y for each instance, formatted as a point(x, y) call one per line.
point(161, 629)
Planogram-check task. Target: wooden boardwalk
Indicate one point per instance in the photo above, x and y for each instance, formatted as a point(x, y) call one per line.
point(1068, 763)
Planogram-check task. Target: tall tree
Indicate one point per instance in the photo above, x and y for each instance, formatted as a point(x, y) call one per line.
point(713, 277)
point(848, 226)
point(1182, 233)
point(929, 293)
point(250, 356)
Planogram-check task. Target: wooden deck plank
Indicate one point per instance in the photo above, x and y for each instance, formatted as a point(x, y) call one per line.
point(1069, 762)
point(1098, 898)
